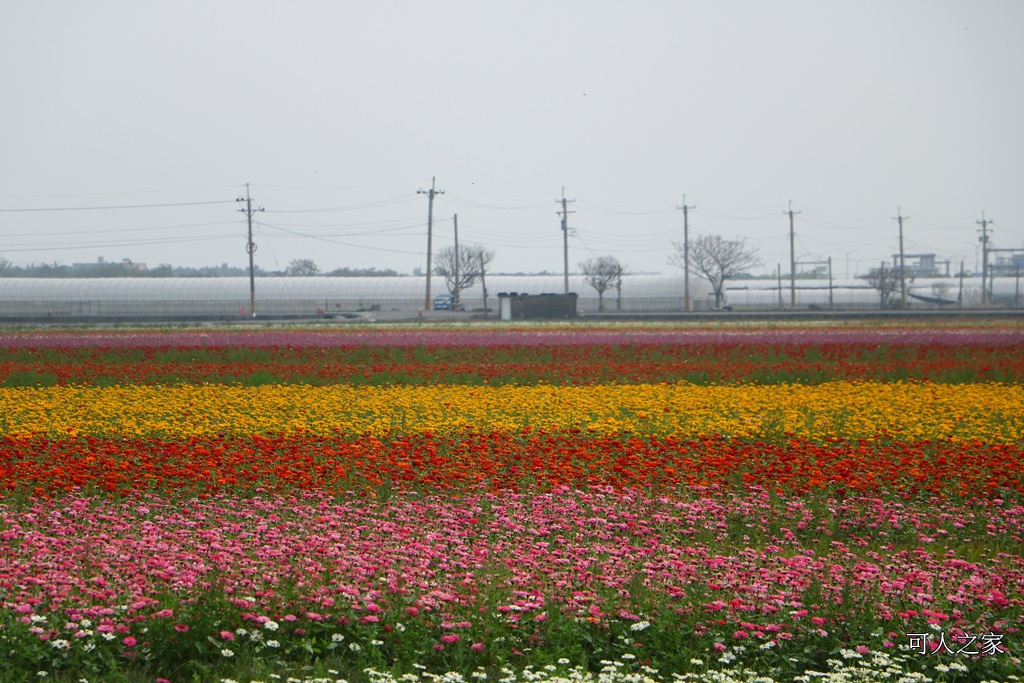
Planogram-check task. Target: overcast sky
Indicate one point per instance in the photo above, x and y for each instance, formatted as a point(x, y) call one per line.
point(338, 112)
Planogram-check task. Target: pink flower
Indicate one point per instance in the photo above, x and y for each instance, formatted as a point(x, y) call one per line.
point(290, 617)
point(720, 647)
point(181, 628)
point(817, 621)
point(477, 647)
point(373, 608)
point(740, 634)
point(130, 641)
point(438, 647)
point(227, 635)
point(543, 616)
point(163, 614)
point(450, 638)
point(412, 611)
point(863, 649)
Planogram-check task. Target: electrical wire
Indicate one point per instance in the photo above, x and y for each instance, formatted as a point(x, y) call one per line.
point(137, 243)
point(344, 244)
point(106, 208)
point(112, 230)
point(352, 207)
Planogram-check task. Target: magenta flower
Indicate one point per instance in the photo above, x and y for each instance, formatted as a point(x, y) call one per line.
point(450, 638)
point(227, 635)
point(181, 628)
point(477, 647)
point(130, 641)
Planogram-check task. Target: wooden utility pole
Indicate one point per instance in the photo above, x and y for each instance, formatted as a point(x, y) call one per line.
point(903, 275)
point(830, 302)
point(960, 294)
point(686, 254)
point(983, 238)
point(792, 258)
point(455, 220)
point(565, 236)
point(431, 193)
point(250, 247)
point(778, 271)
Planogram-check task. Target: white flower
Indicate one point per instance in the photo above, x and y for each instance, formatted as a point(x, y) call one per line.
point(60, 644)
point(273, 643)
point(227, 653)
point(337, 637)
point(697, 662)
point(85, 623)
point(354, 647)
point(109, 636)
point(640, 626)
point(563, 660)
point(271, 625)
point(629, 656)
point(241, 631)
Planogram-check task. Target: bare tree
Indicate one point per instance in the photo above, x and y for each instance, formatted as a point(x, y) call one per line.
point(716, 259)
point(602, 274)
point(302, 267)
point(939, 291)
point(472, 264)
point(483, 259)
point(886, 281)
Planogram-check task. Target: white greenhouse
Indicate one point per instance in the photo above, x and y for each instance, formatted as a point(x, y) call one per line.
point(317, 296)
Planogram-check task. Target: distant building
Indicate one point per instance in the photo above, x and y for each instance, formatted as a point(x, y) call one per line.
point(1007, 265)
point(921, 265)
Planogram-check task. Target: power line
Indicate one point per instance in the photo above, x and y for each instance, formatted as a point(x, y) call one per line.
point(112, 230)
point(332, 241)
point(107, 208)
point(134, 243)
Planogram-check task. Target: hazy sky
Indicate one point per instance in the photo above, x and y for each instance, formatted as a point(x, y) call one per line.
point(338, 112)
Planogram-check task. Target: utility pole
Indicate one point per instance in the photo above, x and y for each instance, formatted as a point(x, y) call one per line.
point(250, 247)
point(983, 238)
point(830, 301)
point(430, 235)
point(903, 275)
point(792, 258)
point(455, 220)
point(778, 271)
point(686, 254)
point(960, 293)
point(565, 235)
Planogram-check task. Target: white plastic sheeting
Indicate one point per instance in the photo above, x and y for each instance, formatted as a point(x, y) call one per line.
point(311, 296)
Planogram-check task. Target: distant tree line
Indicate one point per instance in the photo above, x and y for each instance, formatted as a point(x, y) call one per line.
point(128, 268)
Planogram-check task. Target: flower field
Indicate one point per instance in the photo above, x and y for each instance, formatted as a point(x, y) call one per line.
point(617, 503)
